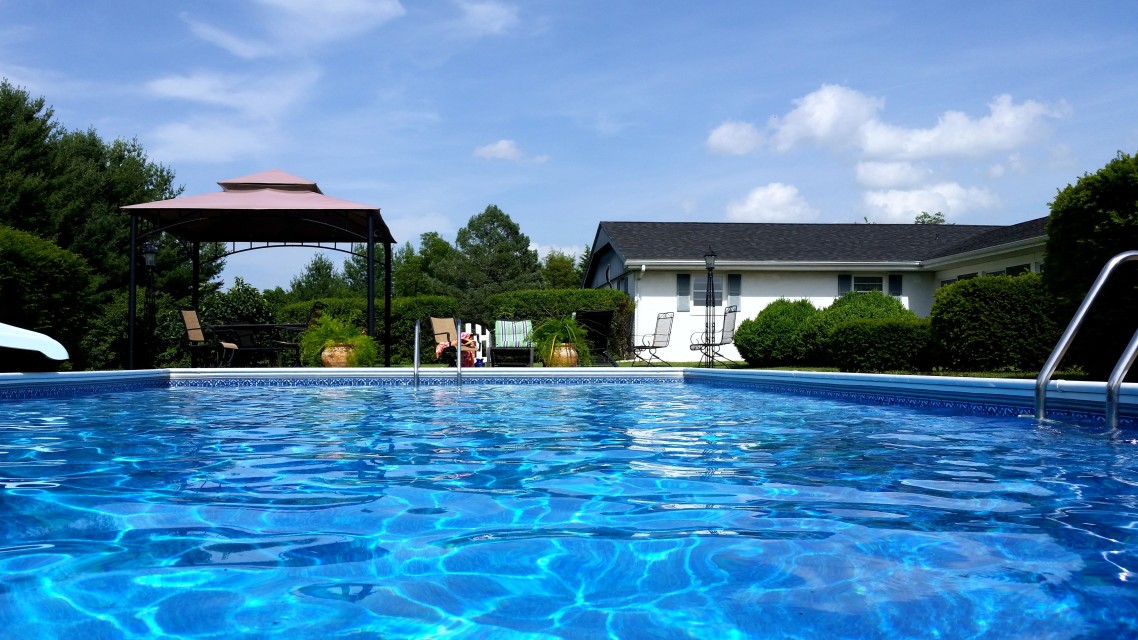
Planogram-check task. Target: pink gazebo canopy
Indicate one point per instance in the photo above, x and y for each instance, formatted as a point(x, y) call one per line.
point(271, 206)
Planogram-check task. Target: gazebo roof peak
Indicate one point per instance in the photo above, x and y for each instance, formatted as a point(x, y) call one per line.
point(271, 179)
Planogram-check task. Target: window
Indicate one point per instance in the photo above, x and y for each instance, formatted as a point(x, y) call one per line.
point(734, 288)
point(867, 283)
point(699, 291)
point(1018, 269)
point(895, 285)
point(683, 292)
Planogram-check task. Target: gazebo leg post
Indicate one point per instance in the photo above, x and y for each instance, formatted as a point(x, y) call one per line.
point(130, 296)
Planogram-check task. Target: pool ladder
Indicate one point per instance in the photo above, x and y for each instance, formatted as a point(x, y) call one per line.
point(415, 361)
point(1114, 383)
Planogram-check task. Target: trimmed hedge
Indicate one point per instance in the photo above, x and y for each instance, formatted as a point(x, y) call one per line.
point(880, 345)
point(46, 289)
point(770, 339)
point(814, 338)
point(994, 323)
point(540, 304)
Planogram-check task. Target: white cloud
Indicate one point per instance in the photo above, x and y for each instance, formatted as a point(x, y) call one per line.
point(297, 25)
point(734, 138)
point(205, 140)
point(507, 150)
point(896, 205)
point(888, 175)
point(488, 18)
point(259, 98)
point(775, 202)
point(831, 116)
point(1007, 126)
point(545, 249)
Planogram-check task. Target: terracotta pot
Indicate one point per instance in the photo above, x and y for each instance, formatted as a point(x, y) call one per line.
point(336, 355)
point(564, 355)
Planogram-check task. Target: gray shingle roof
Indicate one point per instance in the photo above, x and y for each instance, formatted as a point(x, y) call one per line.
point(804, 242)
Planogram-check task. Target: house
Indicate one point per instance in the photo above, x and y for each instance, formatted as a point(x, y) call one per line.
point(661, 265)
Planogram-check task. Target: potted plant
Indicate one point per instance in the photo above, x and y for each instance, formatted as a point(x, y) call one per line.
point(331, 342)
point(560, 342)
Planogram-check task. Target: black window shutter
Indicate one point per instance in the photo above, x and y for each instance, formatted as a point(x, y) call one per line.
point(895, 285)
point(845, 283)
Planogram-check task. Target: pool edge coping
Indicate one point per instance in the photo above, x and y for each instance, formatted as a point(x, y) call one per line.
point(992, 396)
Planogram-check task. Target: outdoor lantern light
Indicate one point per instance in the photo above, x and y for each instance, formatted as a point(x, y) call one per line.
point(149, 252)
point(709, 258)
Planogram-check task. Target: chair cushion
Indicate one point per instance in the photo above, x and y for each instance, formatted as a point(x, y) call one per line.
point(512, 333)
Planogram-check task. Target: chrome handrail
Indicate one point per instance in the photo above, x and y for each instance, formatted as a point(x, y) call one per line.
point(415, 360)
point(1060, 350)
point(458, 352)
point(1114, 383)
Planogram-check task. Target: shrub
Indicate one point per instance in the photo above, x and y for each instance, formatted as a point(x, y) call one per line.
point(814, 338)
point(993, 324)
point(241, 304)
point(541, 304)
point(1091, 222)
point(328, 331)
point(46, 289)
point(879, 345)
point(769, 339)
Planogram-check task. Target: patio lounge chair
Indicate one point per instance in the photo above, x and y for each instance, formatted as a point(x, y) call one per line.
point(512, 343)
point(598, 328)
point(219, 352)
point(658, 339)
point(445, 331)
point(709, 345)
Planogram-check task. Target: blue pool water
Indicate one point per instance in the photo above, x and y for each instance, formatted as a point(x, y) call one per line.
point(604, 511)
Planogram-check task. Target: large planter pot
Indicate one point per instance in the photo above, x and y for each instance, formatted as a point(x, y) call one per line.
point(336, 355)
point(563, 355)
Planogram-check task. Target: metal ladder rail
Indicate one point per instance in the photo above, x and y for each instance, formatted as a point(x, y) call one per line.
point(458, 352)
point(1064, 343)
point(1114, 383)
point(415, 361)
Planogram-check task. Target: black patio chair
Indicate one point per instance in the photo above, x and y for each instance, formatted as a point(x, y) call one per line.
point(597, 324)
point(658, 339)
point(710, 345)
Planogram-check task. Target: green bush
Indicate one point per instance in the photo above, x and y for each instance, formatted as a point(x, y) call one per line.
point(541, 304)
point(770, 338)
point(241, 304)
point(996, 323)
point(814, 337)
point(1091, 222)
point(328, 331)
point(46, 289)
point(880, 345)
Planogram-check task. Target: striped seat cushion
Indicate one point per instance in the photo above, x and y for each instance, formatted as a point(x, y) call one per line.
point(512, 333)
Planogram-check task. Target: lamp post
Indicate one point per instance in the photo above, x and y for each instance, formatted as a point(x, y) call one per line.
point(149, 258)
point(709, 306)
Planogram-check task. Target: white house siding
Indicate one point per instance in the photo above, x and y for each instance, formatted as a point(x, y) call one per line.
point(979, 266)
point(656, 293)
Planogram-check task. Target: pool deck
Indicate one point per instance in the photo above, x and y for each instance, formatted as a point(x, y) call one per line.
point(989, 396)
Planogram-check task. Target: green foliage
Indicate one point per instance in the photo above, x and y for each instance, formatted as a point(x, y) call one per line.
point(770, 339)
point(404, 312)
point(559, 271)
point(541, 304)
point(925, 217)
point(1091, 222)
point(46, 289)
point(881, 345)
point(493, 257)
point(552, 332)
point(816, 331)
point(994, 323)
point(328, 331)
point(241, 304)
point(319, 279)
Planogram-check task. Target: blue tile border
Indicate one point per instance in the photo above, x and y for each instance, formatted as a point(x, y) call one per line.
point(1067, 401)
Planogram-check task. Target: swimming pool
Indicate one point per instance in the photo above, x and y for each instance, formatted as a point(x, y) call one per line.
point(556, 511)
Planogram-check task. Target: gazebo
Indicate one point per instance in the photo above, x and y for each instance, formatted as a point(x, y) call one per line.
point(260, 211)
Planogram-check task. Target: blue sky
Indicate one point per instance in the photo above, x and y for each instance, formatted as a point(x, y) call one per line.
point(565, 114)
